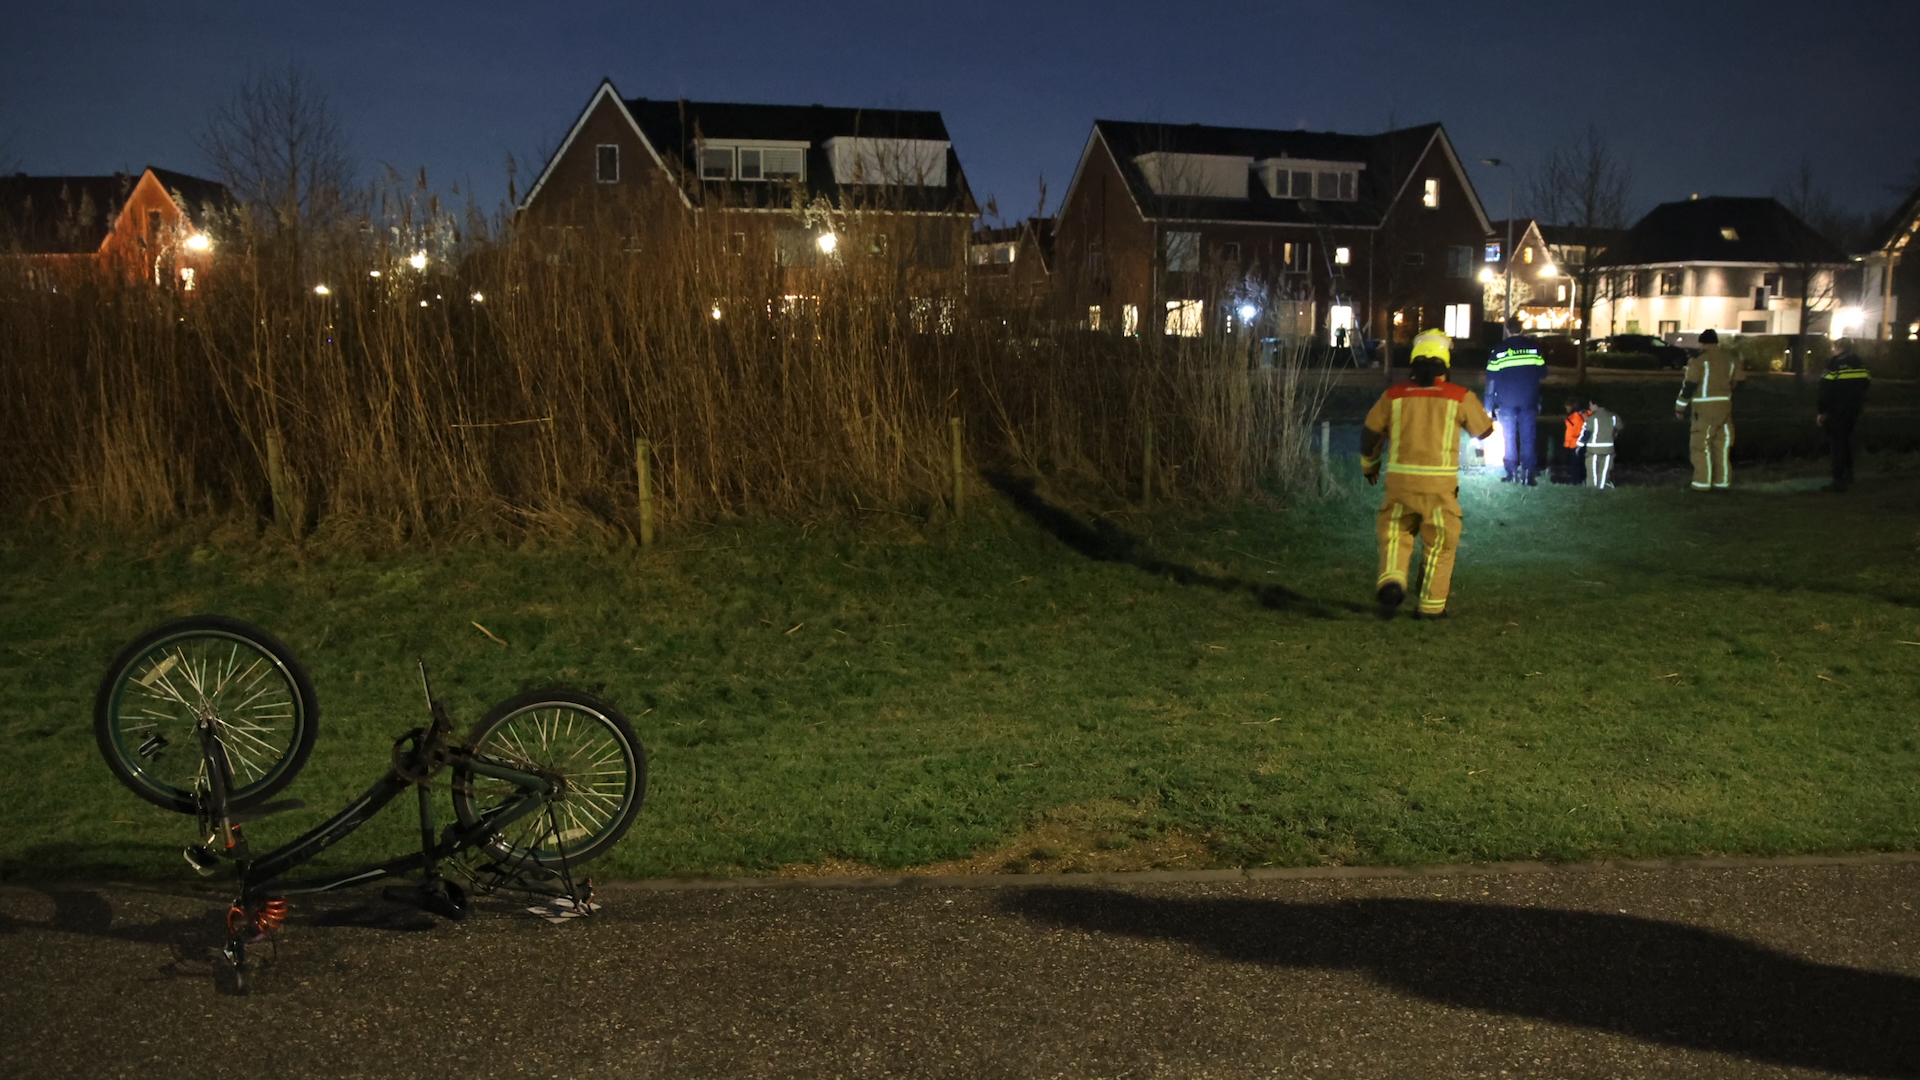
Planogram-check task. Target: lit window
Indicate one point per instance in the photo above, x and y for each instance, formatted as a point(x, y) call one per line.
point(1093, 317)
point(1670, 283)
point(606, 163)
point(1459, 320)
point(1526, 255)
point(1493, 253)
point(1431, 197)
point(1183, 251)
point(716, 163)
point(1294, 256)
point(1729, 233)
point(1130, 320)
point(1339, 323)
point(1342, 256)
point(1183, 318)
point(1562, 291)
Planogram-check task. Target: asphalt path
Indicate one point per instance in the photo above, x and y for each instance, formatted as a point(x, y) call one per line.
point(1758, 970)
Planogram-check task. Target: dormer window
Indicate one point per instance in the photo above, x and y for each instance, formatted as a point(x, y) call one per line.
point(1729, 233)
point(1430, 197)
point(753, 160)
point(1297, 178)
point(606, 163)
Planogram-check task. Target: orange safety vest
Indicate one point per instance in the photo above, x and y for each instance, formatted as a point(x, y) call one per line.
point(1576, 422)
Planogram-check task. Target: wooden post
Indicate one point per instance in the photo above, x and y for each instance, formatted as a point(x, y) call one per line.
point(959, 466)
point(283, 509)
point(1326, 450)
point(643, 459)
point(1146, 469)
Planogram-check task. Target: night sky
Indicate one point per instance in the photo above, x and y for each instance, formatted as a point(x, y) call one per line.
point(1714, 98)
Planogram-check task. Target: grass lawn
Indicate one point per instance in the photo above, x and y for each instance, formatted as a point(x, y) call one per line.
point(1647, 671)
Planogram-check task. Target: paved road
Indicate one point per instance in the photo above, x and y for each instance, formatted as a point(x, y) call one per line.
point(1698, 972)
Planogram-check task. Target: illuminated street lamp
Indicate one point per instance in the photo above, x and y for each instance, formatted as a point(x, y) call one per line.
point(418, 261)
point(322, 290)
point(828, 242)
point(199, 242)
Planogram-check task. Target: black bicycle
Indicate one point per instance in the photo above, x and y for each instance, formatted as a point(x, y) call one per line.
point(212, 716)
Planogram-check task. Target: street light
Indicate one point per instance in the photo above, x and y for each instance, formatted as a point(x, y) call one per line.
point(1506, 253)
point(827, 243)
point(199, 242)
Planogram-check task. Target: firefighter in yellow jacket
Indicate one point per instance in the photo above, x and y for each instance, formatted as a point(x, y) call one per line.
point(1707, 395)
point(1419, 422)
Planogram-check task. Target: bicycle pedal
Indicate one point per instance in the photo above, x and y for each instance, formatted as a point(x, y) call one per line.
point(202, 859)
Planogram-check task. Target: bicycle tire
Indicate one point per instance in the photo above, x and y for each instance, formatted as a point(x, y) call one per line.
point(584, 739)
point(145, 712)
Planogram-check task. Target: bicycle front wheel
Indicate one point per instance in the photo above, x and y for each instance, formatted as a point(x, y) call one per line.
point(588, 745)
point(147, 711)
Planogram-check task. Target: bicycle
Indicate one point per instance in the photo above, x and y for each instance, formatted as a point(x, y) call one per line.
point(547, 780)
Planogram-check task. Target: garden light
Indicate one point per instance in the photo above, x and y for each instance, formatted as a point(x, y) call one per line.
point(828, 242)
point(373, 273)
point(321, 290)
point(418, 261)
point(199, 242)
point(1487, 274)
point(1247, 312)
point(479, 299)
point(716, 313)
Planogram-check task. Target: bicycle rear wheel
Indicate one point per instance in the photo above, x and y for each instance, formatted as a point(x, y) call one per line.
point(147, 710)
point(584, 741)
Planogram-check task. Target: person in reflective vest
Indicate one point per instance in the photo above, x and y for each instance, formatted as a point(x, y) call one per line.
point(1843, 392)
point(1707, 394)
point(1413, 432)
point(1513, 395)
point(1596, 438)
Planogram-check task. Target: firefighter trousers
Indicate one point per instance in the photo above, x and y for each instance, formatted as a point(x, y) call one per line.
point(1433, 517)
point(1710, 439)
point(1600, 468)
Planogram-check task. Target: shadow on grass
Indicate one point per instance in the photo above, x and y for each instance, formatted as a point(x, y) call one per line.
point(1104, 542)
point(1661, 982)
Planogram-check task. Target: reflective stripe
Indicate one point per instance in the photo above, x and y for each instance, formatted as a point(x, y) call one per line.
point(1723, 397)
point(1433, 559)
point(1600, 446)
point(1424, 470)
point(1848, 373)
point(1392, 572)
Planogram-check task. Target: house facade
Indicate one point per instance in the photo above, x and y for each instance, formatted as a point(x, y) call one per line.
point(1890, 278)
point(1738, 265)
point(1012, 267)
point(160, 226)
point(1531, 282)
point(1291, 235)
point(804, 189)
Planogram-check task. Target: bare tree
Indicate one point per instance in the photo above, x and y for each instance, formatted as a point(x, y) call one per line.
point(278, 146)
point(1582, 183)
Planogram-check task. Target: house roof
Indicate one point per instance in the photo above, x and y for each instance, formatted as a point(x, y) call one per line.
point(1897, 233)
point(71, 215)
point(1038, 229)
point(1389, 159)
point(1593, 239)
point(1722, 229)
point(674, 128)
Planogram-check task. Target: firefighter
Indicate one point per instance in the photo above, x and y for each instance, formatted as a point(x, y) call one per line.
point(1513, 395)
point(1707, 392)
point(1843, 390)
point(1420, 423)
point(1596, 438)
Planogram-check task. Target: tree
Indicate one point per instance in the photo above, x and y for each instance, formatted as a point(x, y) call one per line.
point(1585, 185)
point(1810, 202)
point(279, 148)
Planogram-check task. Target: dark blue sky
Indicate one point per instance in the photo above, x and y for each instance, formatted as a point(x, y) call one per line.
point(1708, 97)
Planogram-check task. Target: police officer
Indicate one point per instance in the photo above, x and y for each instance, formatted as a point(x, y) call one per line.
point(1843, 390)
point(1596, 437)
point(1707, 393)
point(1513, 394)
point(1419, 422)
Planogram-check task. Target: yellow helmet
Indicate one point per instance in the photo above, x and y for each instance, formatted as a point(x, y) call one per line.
point(1434, 343)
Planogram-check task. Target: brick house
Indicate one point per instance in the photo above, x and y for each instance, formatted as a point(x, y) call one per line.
point(1545, 288)
point(1292, 235)
point(160, 226)
point(1013, 266)
point(803, 188)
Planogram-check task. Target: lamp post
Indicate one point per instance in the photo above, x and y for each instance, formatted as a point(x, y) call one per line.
point(1506, 253)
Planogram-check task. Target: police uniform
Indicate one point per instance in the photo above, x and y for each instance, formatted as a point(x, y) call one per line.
point(1843, 392)
point(1707, 393)
point(1513, 394)
point(1597, 438)
point(1420, 428)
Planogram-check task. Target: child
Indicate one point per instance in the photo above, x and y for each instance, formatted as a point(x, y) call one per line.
point(1596, 438)
point(1572, 457)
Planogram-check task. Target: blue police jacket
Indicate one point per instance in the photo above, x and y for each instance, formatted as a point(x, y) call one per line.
point(1514, 373)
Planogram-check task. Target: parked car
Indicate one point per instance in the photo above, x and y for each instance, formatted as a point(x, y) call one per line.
point(1669, 356)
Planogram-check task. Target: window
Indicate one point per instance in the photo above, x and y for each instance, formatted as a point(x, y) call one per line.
point(1183, 251)
point(606, 163)
point(1183, 318)
point(1753, 326)
point(1633, 326)
point(1342, 256)
point(1093, 317)
point(794, 246)
point(1329, 187)
point(932, 314)
point(1230, 253)
point(1667, 326)
point(1339, 323)
point(1093, 261)
point(1430, 198)
point(1459, 320)
point(935, 251)
point(716, 163)
point(1670, 283)
point(1493, 252)
point(1302, 185)
point(749, 164)
point(1130, 320)
point(738, 245)
point(1293, 257)
point(1561, 291)
point(153, 223)
point(1415, 258)
point(783, 163)
point(1729, 233)
point(1460, 261)
point(1526, 255)
point(1770, 282)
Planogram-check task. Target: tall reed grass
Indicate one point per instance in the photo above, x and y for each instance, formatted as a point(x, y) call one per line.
point(503, 388)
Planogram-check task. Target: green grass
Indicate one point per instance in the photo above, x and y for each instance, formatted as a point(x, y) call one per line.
point(1641, 672)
